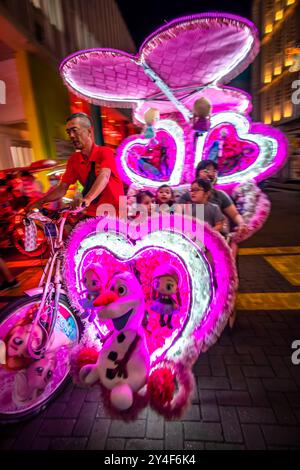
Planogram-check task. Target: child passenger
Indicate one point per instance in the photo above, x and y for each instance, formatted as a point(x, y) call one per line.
point(164, 198)
point(145, 198)
point(200, 193)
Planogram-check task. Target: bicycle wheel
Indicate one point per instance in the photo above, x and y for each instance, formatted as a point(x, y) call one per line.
point(18, 237)
point(28, 384)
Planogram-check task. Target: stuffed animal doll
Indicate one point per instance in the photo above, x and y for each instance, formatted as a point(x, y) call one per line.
point(201, 115)
point(123, 362)
point(151, 117)
point(94, 280)
point(201, 118)
point(165, 293)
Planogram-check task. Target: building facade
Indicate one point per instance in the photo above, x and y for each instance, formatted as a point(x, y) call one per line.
point(274, 87)
point(35, 35)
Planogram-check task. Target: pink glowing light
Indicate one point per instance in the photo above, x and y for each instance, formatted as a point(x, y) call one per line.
point(135, 151)
point(183, 53)
point(206, 308)
point(253, 151)
point(272, 145)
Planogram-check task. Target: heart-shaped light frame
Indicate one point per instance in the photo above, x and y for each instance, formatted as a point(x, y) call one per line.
point(130, 176)
point(210, 306)
point(272, 146)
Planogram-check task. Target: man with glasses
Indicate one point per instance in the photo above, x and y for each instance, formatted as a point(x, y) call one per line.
point(92, 165)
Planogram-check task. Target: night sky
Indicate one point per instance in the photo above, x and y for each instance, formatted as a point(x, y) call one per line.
point(143, 18)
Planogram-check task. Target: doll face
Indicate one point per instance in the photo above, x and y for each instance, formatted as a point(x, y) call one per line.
point(92, 281)
point(39, 374)
point(165, 285)
point(17, 343)
point(164, 195)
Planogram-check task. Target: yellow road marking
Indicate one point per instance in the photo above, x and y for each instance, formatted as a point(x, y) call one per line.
point(269, 301)
point(288, 266)
point(270, 250)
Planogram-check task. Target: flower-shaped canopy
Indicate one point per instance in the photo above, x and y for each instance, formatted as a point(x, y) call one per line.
point(186, 54)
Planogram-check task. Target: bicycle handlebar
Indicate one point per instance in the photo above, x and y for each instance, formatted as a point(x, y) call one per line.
point(72, 211)
point(43, 213)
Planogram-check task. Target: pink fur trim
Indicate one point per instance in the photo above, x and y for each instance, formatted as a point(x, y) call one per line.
point(185, 388)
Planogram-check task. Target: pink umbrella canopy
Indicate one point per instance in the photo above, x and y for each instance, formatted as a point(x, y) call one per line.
point(187, 54)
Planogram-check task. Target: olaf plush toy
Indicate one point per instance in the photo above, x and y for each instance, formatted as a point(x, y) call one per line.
point(123, 362)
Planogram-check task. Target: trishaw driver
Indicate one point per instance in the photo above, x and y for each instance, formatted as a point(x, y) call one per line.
point(92, 165)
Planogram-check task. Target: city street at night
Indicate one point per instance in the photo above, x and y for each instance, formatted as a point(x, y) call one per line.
point(149, 229)
point(248, 390)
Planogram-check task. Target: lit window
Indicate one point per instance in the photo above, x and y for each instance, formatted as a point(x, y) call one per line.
point(268, 21)
point(279, 15)
point(288, 109)
point(277, 70)
point(21, 154)
point(277, 114)
point(268, 118)
point(288, 61)
point(53, 10)
point(278, 63)
point(2, 92)
point(268, 73)
point(268, 28)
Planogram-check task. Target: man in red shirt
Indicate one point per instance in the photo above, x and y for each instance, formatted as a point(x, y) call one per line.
point(93, 166)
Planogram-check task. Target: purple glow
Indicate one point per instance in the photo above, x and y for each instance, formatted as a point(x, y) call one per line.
point(110, 75)
point(236, 154)
point(261, 157)
point(263, 172)
point(188, 18)
point(253, 205)
point(146, 162)
point(188, 37)
point(215, 317)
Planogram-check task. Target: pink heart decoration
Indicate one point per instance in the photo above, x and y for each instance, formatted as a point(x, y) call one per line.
point(206, 304)
point(140, 161)
point(253, 151)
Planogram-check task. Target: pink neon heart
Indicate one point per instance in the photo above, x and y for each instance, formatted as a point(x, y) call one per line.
point(205, 304)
